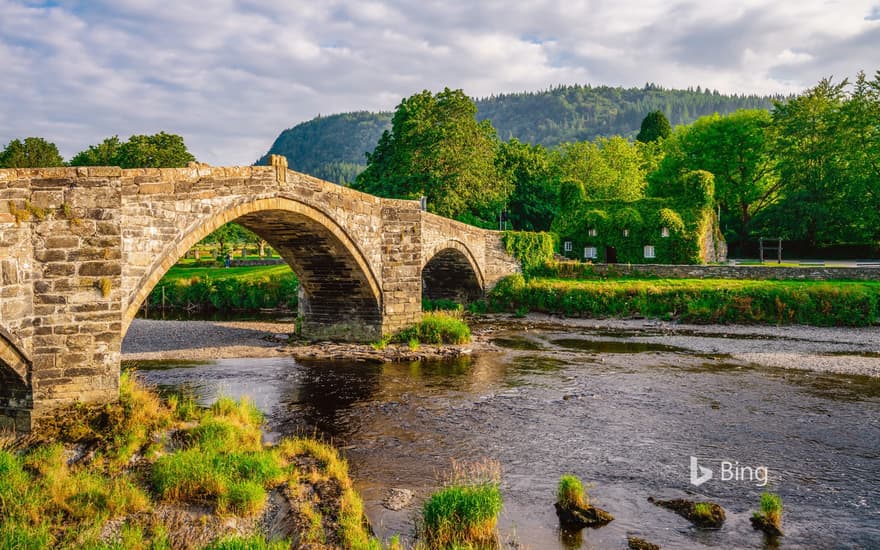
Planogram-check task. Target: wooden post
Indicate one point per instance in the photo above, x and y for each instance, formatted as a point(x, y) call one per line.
point(761, 248)
point(779, 252)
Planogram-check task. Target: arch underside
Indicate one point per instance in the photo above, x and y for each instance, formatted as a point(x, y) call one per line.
point(451, 275)
point(16, 397)
point(340, 297)
point(337, 298)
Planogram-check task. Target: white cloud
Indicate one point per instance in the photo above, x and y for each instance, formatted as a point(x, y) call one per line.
point(228, 75)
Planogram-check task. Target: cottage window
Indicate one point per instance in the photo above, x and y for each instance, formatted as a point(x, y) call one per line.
point(664, 231)
point(592, 232)
point(590, 253)
point(649, 251)
point(626, 232)
point(567, 246)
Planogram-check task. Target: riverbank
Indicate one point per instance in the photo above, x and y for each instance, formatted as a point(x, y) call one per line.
point(822, 349)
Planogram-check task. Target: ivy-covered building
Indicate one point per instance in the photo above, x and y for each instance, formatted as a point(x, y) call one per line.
point(681, 228)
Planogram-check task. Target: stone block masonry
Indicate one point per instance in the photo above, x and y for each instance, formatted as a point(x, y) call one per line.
point(81, 248)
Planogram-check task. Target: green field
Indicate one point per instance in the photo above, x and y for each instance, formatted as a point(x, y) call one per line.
point(183, 272)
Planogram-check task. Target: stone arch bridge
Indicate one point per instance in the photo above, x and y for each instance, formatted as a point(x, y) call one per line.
point(81, 248)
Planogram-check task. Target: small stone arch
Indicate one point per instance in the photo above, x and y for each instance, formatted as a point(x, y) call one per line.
point(452, 273)
point(341, 290)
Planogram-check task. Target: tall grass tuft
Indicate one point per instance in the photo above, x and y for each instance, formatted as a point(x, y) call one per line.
point(464, 514)
point(570, 492)
point(771, 509)
point(438, 328)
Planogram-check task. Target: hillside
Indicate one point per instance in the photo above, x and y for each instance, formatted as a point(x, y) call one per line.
point(333, 147)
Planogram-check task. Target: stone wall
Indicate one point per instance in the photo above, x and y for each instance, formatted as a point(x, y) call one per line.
point(817, 273)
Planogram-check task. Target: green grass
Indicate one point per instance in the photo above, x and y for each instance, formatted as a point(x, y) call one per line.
point(252, 273)
point(217, 459)
point(225, 464)
point(570, 492)
point(437, 328)
point(822, 303)
point(703, 510)
point(464, 513)
point(771, 509)
point(247, 543)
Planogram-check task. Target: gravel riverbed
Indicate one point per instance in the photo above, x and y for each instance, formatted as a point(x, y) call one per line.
point(824, 349)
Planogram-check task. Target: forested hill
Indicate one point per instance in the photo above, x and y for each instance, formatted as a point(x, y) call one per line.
point(333, 147)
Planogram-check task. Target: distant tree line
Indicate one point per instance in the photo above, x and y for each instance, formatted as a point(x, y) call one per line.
point(333, 147)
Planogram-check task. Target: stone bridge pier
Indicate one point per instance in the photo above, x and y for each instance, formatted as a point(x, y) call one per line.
point(81, 249)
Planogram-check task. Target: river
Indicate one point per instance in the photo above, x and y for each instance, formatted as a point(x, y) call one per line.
point(624, 416)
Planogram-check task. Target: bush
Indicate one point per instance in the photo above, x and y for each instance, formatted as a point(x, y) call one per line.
point(827, 303)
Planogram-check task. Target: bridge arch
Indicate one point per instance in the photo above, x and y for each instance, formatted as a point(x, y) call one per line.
point(14, 364)
point(337, 282)
point(451, 272)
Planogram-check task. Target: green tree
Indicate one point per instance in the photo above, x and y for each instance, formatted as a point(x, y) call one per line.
point(140, 151)
point(655, 126)
point(609, 168)
point(859, 137)
point(105, 153)
point(533, 203)
point(33, 152)
point(735, 150)
point(436, 148)
point(808, 148)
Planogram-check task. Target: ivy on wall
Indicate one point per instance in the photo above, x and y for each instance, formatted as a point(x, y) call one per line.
point(672, 229)
point(530, 248)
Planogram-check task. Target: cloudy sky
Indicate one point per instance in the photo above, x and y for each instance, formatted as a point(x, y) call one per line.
point(229, 75)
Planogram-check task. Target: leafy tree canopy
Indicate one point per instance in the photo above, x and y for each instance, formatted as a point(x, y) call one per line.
point(140, 151)
point(735, 149)
point(655, 126)
point(436, 148)
point(609, 168)
point(532, 205)
point(33, 152)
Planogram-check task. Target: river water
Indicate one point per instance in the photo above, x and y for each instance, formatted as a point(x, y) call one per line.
point(625, 417)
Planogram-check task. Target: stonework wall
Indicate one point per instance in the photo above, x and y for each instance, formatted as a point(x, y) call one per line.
point(741, 272)
point(81, 248)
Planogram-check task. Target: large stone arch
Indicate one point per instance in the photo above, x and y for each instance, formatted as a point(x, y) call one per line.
point(452, 272)
point(340, 296)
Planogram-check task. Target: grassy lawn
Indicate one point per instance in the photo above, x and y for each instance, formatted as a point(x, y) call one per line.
point(182, 272)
